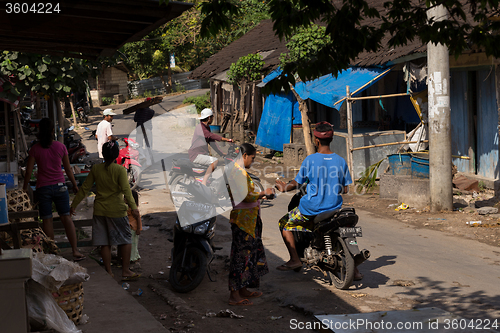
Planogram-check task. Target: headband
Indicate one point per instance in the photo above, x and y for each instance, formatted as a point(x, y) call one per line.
point(323, 135)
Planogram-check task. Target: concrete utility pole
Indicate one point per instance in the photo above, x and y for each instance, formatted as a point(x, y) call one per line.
point(441, 188)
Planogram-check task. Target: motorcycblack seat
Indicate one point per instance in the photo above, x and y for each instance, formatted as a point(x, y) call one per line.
point(186, 162)
point(325, 215)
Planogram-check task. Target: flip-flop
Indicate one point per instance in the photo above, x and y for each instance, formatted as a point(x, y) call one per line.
point(285, 267)
point(131, 278)
point(242, 302)
point(75, 259)
point(254, 294)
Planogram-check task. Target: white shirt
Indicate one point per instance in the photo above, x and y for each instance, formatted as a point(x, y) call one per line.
point(104, 130)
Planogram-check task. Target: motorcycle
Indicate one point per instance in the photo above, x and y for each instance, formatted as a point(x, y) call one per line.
point(194, 231)
point(332, 245)
point(77, 151)
point(27, 123)
point(128, 157)
point(82, 110)
point(184, 171)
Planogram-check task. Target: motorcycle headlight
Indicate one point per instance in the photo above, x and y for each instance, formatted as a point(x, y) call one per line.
point(187, 228)
point(201, 229)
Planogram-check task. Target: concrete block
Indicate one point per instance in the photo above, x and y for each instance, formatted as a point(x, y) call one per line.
point(119, 98)
point(390, 185)
point(294, 154)
point(415, 193)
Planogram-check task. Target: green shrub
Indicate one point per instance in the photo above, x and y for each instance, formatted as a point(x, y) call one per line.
point(201, 102)
point(107, 100)
point(179, 88)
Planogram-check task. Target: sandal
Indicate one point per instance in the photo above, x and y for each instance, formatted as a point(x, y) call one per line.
point(254, 294)
point(131, 278)
point(75, 259)
point(242, 302)
point(285, 267)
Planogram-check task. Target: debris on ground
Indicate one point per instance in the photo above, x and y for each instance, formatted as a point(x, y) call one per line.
point(223, 314)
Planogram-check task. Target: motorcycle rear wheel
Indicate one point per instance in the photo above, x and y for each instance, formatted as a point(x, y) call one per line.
point(187, 277)
point(134, 176)
point(343, 276)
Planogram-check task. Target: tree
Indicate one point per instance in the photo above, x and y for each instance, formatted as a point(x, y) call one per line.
point(302, 48)
point(355, 26)
point(248, 68)
point(181, 36)
point(46, 75)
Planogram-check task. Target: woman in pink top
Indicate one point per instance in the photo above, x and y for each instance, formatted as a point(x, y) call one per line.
point(50, 185)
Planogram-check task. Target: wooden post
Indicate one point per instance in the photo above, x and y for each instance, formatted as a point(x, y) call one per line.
point(7, 136)
point(73, 111)
point(350, 161)
point(20, 131)
point(306, 128)
point(60, 121)
point(38, 107)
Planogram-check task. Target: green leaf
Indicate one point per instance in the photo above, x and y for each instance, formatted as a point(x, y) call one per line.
point(47, 60)
point(42, 68)
point(67, 89)
point(58, 86)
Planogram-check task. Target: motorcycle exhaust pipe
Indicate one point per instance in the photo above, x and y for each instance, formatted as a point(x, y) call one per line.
point(361, 257)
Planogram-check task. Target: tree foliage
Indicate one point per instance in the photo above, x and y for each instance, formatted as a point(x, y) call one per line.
point(305, 45)
point(356, 26)
point(247, 68)
point(47, 75)
point(182, 36)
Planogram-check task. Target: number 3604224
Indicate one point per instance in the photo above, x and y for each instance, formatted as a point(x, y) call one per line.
point(32, 8)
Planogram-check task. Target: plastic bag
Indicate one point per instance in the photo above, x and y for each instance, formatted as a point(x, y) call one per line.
point(43, 311)
point(52, 271)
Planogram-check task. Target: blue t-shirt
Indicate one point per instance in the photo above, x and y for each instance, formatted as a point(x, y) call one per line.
point(326, 175)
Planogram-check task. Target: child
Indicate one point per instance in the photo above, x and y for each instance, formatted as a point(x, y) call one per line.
point(136, 226)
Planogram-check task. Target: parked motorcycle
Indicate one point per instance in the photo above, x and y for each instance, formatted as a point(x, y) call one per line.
point(82, 110)
point(332, 245)
point(129, 158)
point(27, 123)
point(194, 230)
point(77, 152)
point(184, 171)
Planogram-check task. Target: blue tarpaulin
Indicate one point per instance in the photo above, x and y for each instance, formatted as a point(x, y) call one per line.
point(276, 121)
point(328, 89)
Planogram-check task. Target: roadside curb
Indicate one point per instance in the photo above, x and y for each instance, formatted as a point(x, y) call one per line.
point(168, 296)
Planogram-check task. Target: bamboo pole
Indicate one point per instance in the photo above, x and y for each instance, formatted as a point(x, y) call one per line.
point(349, 134)
point(373, 97)
point(388, 144)
point(369, 82)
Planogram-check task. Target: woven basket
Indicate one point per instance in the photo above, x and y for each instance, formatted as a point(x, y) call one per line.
point(70, 299)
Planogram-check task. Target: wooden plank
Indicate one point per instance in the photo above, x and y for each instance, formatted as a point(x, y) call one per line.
point(23, 215)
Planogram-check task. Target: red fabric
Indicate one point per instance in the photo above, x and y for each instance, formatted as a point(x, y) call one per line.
point(323, 135)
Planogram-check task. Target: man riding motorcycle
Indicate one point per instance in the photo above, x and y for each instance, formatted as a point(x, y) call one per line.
point(327, 177)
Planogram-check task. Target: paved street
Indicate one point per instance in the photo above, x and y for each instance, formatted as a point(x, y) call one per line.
point(408, 267)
